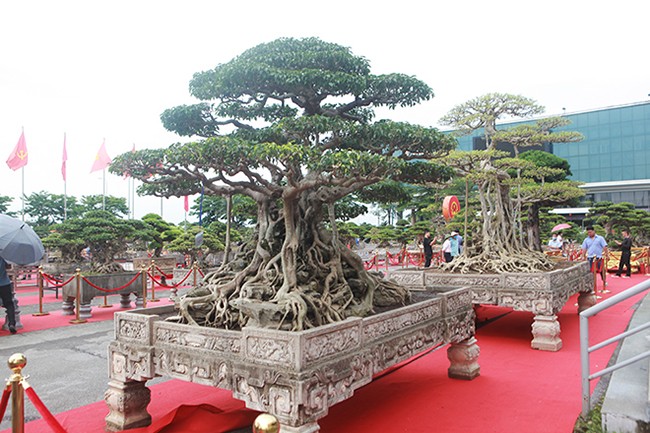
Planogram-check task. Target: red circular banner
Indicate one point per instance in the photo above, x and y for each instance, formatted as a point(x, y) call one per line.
point(450, 207)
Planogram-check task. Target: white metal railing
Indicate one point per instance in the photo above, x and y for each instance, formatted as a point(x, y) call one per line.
point(585, 349)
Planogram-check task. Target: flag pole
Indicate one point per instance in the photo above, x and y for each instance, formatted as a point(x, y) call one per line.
point(104, 189)
point(65, 200)
point(22, 171)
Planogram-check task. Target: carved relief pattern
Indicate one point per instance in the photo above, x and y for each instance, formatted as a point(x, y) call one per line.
point(372, 331)
point(131, 329)
point(334, 342)
point(408, 278)
point(444, 280)
point(458, 301)
point(530, 281)
point(460, 327)
point(484, 296)
point(218, 343)
point(268, 349)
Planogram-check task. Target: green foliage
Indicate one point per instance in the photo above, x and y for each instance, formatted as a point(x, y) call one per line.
point(5, 201)
point(161, 232)
point(593, 423)
point(546, 159)
point(185, 243)
point(244, 210)
point(114, 205)
point(107, 236)
point(616, 217)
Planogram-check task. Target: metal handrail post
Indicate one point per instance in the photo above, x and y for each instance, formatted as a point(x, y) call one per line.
point(584, 364)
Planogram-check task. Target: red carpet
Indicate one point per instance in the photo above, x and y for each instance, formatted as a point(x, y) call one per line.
point(56, 319)
point(519, 389)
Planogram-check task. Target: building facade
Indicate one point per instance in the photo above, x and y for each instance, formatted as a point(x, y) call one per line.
point(613, 160)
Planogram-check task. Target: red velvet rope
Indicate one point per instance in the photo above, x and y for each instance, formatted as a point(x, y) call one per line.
point(172, 286)
point(53, 280)
point(367, 265)
point(5, 399)
point(117, 289)
point(45, 413)
point(201, 272)
point(163, 273)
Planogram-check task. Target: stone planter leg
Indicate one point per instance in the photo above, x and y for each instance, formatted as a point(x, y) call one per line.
point(463, 359)
point(67, 307)
point(125, 300)
point(546, 333)
point(586, 300)
point(85, 310)
point(139, 302)
point(127, 403)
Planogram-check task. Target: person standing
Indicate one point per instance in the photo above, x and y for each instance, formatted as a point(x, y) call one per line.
point(446, 249)
point(7, 296)
point(428, 249)
point(454, 245)
point(594, 246)
point(626, 255)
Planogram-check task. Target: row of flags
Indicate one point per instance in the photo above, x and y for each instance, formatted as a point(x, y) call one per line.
point(19, 157)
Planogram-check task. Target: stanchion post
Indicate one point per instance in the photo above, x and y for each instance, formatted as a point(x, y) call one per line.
point(143, 272)
point(77, 318)
point(195, 268)
point(39, 279)
point(16, 364)
point(266, 423)
point(153, 282)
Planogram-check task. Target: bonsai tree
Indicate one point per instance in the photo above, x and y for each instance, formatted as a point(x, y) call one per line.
point(300, 136)
point(106, 235)
point(500, 246)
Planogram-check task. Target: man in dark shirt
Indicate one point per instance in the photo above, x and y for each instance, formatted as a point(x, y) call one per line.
point(428, 249)
point(626, 254)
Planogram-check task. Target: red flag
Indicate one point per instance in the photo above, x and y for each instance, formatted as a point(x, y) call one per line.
point(186, 203)
point(102, 160)
point(65, 158)
point(18, 157)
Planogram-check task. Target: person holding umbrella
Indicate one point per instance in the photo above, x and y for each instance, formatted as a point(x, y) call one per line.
point(19, 244)
point(6, 294)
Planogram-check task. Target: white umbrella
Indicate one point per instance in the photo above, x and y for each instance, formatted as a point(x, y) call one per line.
point(19, 243)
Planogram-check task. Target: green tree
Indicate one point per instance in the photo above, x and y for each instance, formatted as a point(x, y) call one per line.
point(45, 209)
point(115, 205)
point(161, 232)
point(185, 243)
point(498, 247)
point(107, 236)
point(244, 210)
point(614, 217)
point(304, 137)
point(5, 201)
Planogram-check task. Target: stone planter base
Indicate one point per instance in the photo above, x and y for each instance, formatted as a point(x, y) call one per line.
point(296, 376)
point(543, 293)
point(108, 281)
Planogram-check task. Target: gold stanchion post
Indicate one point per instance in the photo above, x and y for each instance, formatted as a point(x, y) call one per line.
point(106, 304)
point(153, 282)
point(604, 271)
point(195, 268)
point(77, 318)
point(16, 363)
point(266, 423)
point(39, 278)
point(143, 272)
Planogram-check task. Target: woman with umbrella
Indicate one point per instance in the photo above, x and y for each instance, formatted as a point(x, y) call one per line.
point(19, 244)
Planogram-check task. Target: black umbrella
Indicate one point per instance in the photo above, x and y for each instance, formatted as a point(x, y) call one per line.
point(19, 243)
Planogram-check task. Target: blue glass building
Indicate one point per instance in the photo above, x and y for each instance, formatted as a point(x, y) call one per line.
point(613, 159)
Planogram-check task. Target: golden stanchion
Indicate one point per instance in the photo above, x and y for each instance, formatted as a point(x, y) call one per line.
point(153, 282)
point(266, 423)
point(39, 278)
point(106, 304)
point(195, 268)
point(647, 261)
point(77, 318)
point(143, 273)
point(16, 363)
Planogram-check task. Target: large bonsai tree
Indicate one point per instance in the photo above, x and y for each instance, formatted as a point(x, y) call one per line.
point(290, 124)
point(500, 245)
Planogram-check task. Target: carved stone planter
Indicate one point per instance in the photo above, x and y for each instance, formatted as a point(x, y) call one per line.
point(108, 281)
point(295, 376)
point(543, 294)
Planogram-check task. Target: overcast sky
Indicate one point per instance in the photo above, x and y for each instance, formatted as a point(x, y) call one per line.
point(106, 70)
